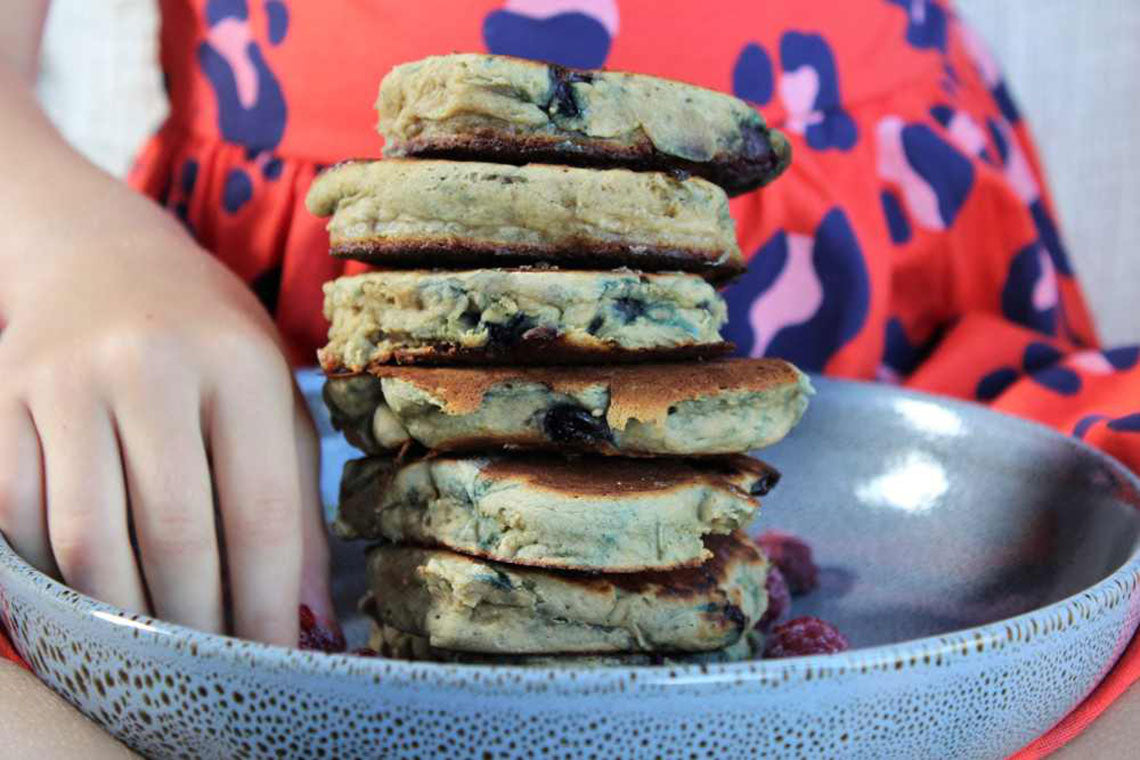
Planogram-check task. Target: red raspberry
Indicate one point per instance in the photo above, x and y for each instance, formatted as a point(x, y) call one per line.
point(779, 599)
point(804, 636)
point(319, 636)
point(793, 557)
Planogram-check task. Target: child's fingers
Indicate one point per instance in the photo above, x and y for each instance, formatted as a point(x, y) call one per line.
point(22, 516)
point(168, 481)
point(315, 555)
point(86, 500)
point(255, 471)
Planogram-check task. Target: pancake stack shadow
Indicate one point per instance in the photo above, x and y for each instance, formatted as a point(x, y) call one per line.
point(555, 467)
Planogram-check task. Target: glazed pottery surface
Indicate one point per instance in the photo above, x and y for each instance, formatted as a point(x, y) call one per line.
point(984, 568)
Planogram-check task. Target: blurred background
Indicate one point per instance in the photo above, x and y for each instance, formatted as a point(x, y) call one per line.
point(1072, 67)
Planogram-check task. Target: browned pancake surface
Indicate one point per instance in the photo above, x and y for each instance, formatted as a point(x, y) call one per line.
point(406, 252)
point(635, 389)
point(531, 350)
point(616, 475)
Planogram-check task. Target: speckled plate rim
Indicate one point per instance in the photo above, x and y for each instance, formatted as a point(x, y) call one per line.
point(1088, 605)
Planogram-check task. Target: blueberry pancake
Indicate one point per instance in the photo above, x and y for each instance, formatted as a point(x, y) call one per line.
point(721, 406)
point(389, 642)
point(518, 316)
point(468, 604)
point(401, 214)
point(606, 514)
point(509, 110)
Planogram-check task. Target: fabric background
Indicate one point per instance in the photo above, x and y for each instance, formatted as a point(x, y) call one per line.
point(1070, 66)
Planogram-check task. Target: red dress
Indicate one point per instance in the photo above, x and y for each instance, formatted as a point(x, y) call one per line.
point(912, 240)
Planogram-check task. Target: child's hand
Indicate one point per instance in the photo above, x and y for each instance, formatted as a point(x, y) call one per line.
point(138, 384)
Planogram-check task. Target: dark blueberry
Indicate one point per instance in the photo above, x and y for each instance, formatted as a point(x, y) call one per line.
point(510, 332)
point(505, 179)
point(735, 615)
point(764, 483)
point(629, 308)
point(499, 580)
point(568, 423)
point(562, 94)
point(595, 325)
point(757, 148)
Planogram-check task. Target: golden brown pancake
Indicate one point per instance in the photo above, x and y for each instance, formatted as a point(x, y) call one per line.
point(389, 642)
point(519, 316)
point(467, 215)
point(509, 110)
point(462, 603)
point(606, 514)
point(681, 409)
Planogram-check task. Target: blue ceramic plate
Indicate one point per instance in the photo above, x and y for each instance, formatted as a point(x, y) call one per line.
point(984, 568)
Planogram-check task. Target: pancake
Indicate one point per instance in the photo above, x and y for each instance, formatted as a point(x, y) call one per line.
point(597, 514)
point(468, 604)
point(723, 406)
point(518, 316)
point(509, 110)
point(448, 214)
point(389, 642)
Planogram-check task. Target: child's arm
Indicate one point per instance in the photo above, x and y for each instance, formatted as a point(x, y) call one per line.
point(37, 723)
point(140, 380)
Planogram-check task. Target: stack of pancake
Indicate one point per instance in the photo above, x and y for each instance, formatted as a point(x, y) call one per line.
point(555, 465)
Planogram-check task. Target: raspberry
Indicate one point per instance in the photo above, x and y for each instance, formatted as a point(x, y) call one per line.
point(319, 636)
point(793, 557)
point(804, 636)
point(779, 599)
